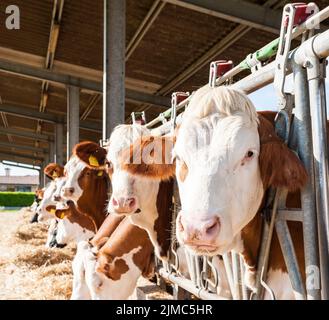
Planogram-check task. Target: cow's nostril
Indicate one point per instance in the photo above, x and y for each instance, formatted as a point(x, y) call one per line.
point(131, 202)
point(114, 202)
point(213, 227)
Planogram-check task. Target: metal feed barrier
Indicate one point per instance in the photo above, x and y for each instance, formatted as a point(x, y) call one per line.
point(301, 123)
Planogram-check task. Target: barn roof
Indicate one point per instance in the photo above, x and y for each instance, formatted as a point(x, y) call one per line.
point(169, 47)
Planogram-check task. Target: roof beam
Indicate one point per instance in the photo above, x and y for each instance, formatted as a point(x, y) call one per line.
point(6, 155)
point(65, 79)
point(26, 134)
point(237, 11)
point(46, 117)
point(20, 165)
point(144, 27)
point(22, 147)
point(215, 51)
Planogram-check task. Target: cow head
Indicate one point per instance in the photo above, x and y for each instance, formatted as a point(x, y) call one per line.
point(56, 173)
point(128, 193)
point(225, 157)
point(73, 226)
point(85, 166)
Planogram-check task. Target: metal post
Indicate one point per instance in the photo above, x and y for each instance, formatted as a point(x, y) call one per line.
point(41, 176)
point(302, 125)
point(315, 76)
point(290, 259)
point(52, 152)
point(72, 128)
point(113, 65)
point(59, 143)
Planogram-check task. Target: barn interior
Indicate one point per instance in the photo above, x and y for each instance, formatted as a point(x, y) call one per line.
point(52, 67)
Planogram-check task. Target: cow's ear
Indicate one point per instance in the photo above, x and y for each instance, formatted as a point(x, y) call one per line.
point(61, 213)
point(91, 153)
point(279, 166)
point(150, 157)
point(51, 209)
point(53, 171)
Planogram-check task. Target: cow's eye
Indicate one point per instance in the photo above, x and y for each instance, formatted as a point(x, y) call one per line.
point(249, 154)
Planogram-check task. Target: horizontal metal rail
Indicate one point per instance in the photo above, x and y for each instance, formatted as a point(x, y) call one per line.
point(265, 75)
point(188, 285)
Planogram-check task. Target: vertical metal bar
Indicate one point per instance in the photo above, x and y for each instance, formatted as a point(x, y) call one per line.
point(236, 274)
point(52, 152)
point(72, 127)
point(113, 65)
point(59, 143)
point(229, 274)
point(41, 176)
point(302, 127)
point(244, 289)
point(290, 259)
point(320, 153)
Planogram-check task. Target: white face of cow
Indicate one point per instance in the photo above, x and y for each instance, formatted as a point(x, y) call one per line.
point(71, 189)
point(129, 193)
point(219, 179)
point(50, 198)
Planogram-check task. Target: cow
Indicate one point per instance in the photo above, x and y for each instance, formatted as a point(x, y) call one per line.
point(72, 225)
point(56, 173)
point(108, 267)
point(146, 202)
point(225, 157)
point(87, 183)
point(37, 198)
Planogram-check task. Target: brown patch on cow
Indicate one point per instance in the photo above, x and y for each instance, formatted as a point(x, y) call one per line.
point(162, 224)
point(109, 225)
point(111, 267)
point(39, 193)
point(94, 196)
point(85, 149)
point(252, 235)
point(183, 171)
point(156, 165)
point(271, 176)
point(125, 238)
point(54, 170)
point(279, 166)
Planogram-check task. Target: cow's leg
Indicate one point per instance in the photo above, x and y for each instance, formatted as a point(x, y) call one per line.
point(51, 238)
point(80, 289)
point(34, 219)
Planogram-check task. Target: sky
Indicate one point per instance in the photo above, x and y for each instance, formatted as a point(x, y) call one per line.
point(263, 99)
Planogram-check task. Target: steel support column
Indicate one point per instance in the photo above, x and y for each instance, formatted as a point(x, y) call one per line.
point(114, 65)
point(52, 152)
point(72, 127)
point(59, 144)
point(302, 124)
point(41, 176)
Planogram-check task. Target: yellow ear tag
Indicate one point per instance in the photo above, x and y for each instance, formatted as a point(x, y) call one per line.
point(53, 211)
point(62, 216)
point(55, 175)
point(100, 173)
point(93, 161)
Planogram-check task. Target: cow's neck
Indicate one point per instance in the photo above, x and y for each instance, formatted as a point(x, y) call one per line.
point(155, 218)
point(93, 202)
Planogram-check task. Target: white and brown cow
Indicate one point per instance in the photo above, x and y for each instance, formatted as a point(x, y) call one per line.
point(87, 182)
point(56, 173)
point(146, 202)
point(226, 157)
point(108, 267)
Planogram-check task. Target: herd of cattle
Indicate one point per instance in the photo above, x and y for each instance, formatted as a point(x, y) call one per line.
point(115, 201)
